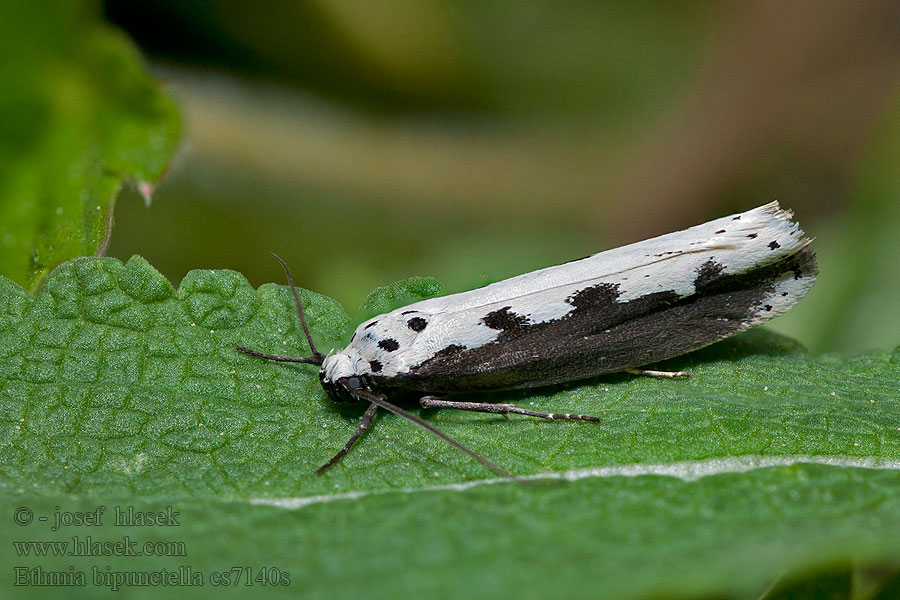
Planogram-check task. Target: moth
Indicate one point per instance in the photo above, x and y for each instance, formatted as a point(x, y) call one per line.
point(612, 311)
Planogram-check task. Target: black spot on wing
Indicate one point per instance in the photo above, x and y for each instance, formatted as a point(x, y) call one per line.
point(595, 297)
point(370, 325)
point(752, 236)
point(417, 324)
point(774, 245)
point(504, 319)
point(721, 231)
point(408, 312)
point(802, 264)
point(389, 344)
point(737, 218)
point(708, 272)
point(375, 365)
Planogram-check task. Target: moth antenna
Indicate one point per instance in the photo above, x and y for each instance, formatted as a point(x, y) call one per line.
point(377, 399)
point(363, 425)
point(310, 360)
point(312, 346)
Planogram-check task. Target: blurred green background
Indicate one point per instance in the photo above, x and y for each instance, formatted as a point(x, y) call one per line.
point(471, 141)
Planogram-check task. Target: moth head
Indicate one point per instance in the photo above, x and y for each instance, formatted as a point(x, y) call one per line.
point(341, 373)
point(340, 390)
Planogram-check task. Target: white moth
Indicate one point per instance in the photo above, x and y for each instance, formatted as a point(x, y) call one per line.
point(612, 311)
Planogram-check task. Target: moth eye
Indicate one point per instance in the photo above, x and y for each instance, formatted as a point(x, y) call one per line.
point(389, 344)
point(417, 324)
point(354, 383)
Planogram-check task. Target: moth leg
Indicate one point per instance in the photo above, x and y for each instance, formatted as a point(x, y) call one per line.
point(652, 373)
point(363, 425)
point(500, 409)
point(380, 401)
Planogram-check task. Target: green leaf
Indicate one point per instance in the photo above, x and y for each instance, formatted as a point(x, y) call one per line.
point(860, 255)
point(80, 117)
point(387, 298)
point(117, 389)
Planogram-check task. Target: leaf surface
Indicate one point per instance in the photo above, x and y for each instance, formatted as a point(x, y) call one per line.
point(120, 390)
point(80, 118)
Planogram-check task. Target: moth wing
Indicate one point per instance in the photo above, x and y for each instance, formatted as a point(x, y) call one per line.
point(617, 309)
